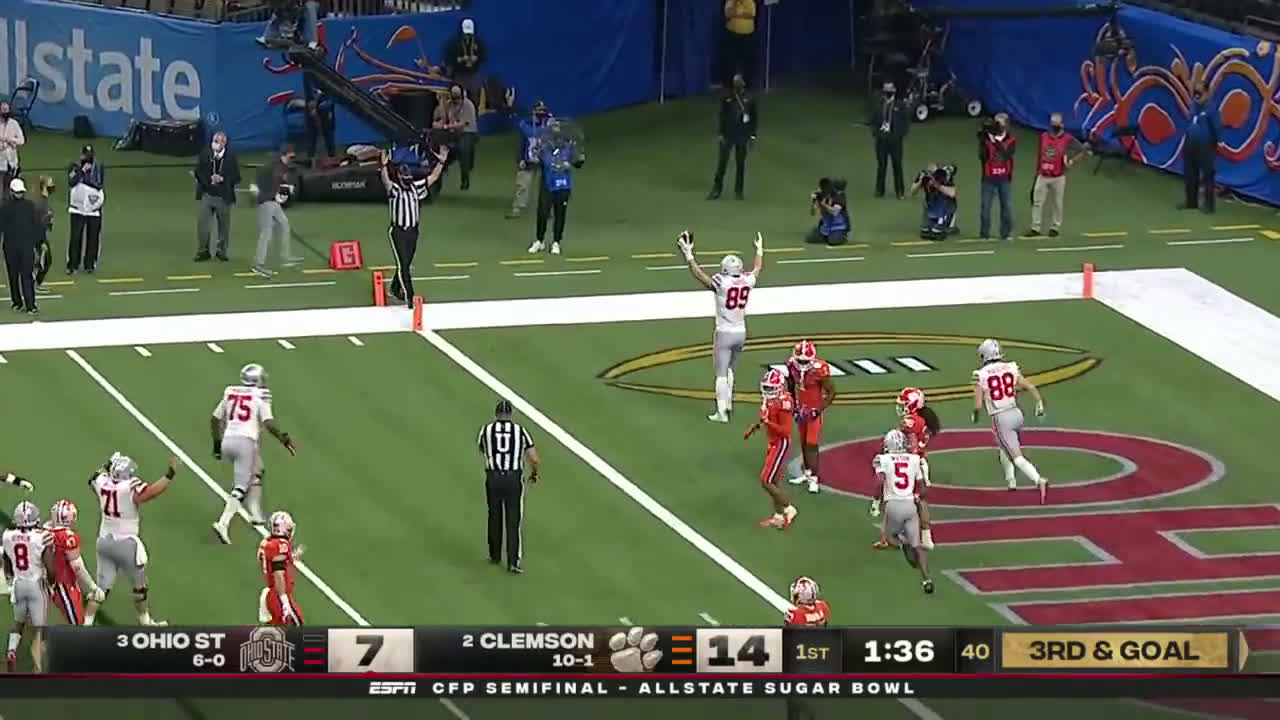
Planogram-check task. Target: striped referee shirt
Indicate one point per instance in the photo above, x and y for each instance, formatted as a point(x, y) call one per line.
point(503, 444)
point(404, 203)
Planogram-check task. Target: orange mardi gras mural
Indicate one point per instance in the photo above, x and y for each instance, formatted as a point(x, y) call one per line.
point(1156, 101)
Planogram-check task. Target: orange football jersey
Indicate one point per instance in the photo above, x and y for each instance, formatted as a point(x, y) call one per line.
point(814, 615)
point(808, 383)
point(917, 432)
point(272, 549)
point(64, 539)
point(777, 415)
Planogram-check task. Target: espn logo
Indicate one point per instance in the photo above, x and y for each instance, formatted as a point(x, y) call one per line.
point(393, 688)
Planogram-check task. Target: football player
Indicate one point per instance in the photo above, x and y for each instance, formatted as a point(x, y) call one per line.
point(920, 424)
point(733, 289)
point(776, 415)
point(899, 475)
point(809, 379)
point(121, 494)
point(27, 551)
point(810, 611)
point(68, 573)
point(996, 384)
point(241, 413)
point(18, 481)
point(277, 557)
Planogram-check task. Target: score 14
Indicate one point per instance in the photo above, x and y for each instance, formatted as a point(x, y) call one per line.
point(739, 650)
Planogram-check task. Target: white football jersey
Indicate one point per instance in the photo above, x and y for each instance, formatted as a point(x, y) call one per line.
point(243, 409)
point(732, 294)
point(999, 384)
point(25, 550)
point(900, 473)
point(118, 502)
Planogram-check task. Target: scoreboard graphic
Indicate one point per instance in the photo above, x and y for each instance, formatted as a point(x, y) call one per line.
point(658, 661)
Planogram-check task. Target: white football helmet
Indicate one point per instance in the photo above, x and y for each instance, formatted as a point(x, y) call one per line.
point(731, 265)
point(252, 375)
point(804, 591)
point(123, 468)
point(773, 383)
point(895, 441)
point(910, 400)
point(26, 515)
point(64, 513)
point(990, 350)
point(282, 524)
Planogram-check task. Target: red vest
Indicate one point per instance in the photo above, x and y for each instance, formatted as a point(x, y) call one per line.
point(1052, 159)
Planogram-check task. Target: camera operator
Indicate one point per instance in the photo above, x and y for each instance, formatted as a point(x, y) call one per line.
point(292, 21)
point(11, 138)
point(996, 146)
point(830, 204)
point(938, 183)
point(86, 180)
point(890, 120)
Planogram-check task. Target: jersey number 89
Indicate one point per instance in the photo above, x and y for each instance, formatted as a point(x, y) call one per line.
point(736, 297)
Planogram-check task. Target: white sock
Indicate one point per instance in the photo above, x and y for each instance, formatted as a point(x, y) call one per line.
point(728, 403)
point(254, 500)
point(88, 619)
point(228, 512)
point(1007, 464)
point(144, 617)
point(14, 641)
point(723, 395)
point(1028, 469)
point(924, 470)
point(926, 538)
point(789, 511)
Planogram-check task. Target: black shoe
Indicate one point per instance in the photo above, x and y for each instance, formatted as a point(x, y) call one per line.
point(90, 270)
point(515, 569)
point(222, 258)
point(1036, 233)
point(495, 561)
point(71, 271)
point(737, 194)
point(202, 257)
point(466, 184)
point(1053, 233)
point(16, 307)
point(1207, 210)
point(33, 311)
point(902, 196)
point(714, 194)
point(1185, 206)
point(927, 585)
point(879, 193)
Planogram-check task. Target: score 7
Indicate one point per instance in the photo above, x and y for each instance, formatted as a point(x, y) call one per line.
point(361, 650)
point(375, 643)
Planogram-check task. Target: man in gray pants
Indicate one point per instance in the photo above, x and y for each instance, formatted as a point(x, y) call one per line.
point(217, 175)
point(273, 191)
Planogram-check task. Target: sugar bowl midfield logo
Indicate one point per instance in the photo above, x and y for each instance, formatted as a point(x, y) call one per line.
point(266, 651)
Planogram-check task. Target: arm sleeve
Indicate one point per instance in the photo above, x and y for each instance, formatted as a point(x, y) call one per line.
point(480, 438)
point(754, 110)
point(264, 407)
point(528, 441)
point(18, 138)
point(203, 171)
point(421, 189)
point(220, 410)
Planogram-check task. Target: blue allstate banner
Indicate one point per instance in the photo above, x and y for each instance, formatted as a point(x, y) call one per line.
point(1031, 67)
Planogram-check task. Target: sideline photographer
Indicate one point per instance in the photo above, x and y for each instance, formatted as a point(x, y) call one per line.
point(832, 207)
point(996, 146)
point(938, 183)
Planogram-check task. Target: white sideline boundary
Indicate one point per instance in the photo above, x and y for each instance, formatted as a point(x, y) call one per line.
point(1203, 318)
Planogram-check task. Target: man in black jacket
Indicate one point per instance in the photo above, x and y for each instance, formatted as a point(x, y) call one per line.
point(23, 228)
point(738, 120)
point(463, 58)
point(217, 174)
point(889, 122)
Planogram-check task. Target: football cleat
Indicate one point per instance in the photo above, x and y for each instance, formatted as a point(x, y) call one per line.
point(718, 417)
point(64, 513)
point(222, 533)
point(771, 521)
point(895, 441)
point(881, 545)
point(910, 400)
point(253, 375)
point(927, 585)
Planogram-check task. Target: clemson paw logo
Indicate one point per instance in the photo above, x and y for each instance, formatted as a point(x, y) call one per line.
point(634, 651)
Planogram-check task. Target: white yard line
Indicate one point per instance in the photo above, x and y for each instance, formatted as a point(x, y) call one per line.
point(1218, 241)
point(276, 286)
point(142, 351)
point(429, 278)
point(806, 261)
point(162, 291)
point(706, 618)
point(553, 273)
point(215, 347)
point(217, 490)
point(625, 621)
point(704, 266)
point(952, 253)
point(3, 361)
point(631, 490)
point(1075, 248)
point(355, 341)
point(286, 344)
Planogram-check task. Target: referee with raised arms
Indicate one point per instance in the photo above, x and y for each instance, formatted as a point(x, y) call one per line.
point(404, 193)
point(506, 447)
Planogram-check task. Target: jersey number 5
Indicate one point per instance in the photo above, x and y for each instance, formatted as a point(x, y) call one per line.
point(110, 503)
point(239, 407)
point(736, 297)
point(900, 471)
point(1000, 387)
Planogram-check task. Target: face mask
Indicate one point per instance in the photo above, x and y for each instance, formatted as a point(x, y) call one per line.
point(217, 148)
point(1056, 128)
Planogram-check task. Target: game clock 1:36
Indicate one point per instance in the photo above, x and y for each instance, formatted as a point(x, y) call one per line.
point(897, 650)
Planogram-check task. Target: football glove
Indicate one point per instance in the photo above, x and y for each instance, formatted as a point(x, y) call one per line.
point(685, 243)
point(288, 444)
point(974, 416)
point(217, 449)
point(759, 242)
point(1040, 409)
point(96, 594)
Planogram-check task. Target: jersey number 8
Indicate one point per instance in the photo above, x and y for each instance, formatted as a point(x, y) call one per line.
point(1000, 387)
point(21, 557)
point(736, 297)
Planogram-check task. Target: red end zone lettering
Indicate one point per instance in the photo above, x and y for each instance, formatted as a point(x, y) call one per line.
point(1155, 469)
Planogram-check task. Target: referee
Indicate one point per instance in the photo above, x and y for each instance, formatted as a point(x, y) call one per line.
point(506, 447)
point(404, 192)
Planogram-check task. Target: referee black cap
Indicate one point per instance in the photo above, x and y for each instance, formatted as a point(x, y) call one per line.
point(502, 408)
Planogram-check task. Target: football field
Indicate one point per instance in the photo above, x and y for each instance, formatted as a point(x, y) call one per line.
point(1160, 508)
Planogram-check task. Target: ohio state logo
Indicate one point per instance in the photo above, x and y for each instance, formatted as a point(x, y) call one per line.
point(1149, 469)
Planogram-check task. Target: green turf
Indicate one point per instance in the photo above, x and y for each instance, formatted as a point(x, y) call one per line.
point(1222, 542)
point(973, 468)
point(644, 183)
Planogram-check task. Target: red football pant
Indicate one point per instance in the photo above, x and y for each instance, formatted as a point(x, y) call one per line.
point(774, 458)
point(811, 432)
point(277, 610)
point(67, 598)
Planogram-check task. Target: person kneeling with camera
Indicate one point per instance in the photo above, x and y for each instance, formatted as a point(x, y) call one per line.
point(830, 204)
point(938, 183)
